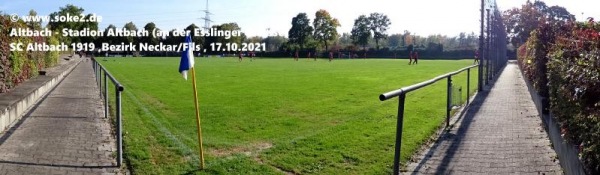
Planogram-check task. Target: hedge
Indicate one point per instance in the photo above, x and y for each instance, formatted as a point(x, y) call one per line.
point(18, 66)
point(563, 64)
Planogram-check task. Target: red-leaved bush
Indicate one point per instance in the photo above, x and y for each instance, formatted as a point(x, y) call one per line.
point(563, 63)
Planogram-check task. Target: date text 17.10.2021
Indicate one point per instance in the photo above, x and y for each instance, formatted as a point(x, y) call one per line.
point(235, 47)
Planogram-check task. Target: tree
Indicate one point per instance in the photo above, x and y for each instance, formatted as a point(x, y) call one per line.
point(345, 40)
point(407, 38)
point(68, 9)
point(110, 39)
point(436, 48)
point(72, 10)
point(559, 14)
point(254, 39)
point(379, 23)
point(301, 31)
point(521, 21)
point(274, 43)
point(151, 39)
point(196, 39)
point(223, 40)
point(361, 31)
point(172, 39)
point(130, 27)
point(395, 40)
point(231, 27)
point(36, 25)
point(91, 26)
point(462, 40)
point(325, 27)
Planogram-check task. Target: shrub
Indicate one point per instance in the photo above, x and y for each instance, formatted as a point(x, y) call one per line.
point(574, 89)
point(51, 58)
point(533, 55)
point(18, 66)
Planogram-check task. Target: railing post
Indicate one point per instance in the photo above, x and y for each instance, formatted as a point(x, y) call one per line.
point(96, 72)
point(99, 82)
point(401, 100)
point(105, 95)
point(118, 90)
point(449, 101)
point(96, 75)
point(468, 85)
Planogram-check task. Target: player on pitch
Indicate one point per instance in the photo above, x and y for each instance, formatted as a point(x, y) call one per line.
point(410, 57)
point(296, 56)
point(476, 57)
point(416, 57)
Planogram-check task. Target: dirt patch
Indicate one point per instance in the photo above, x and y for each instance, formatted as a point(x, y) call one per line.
point(251, 150)
point(248, 150)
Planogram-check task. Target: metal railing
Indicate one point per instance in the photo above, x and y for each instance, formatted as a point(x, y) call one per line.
point(401, 94)
point(102, 77)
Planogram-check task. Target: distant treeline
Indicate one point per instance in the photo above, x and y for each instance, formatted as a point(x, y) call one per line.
point(343, 54)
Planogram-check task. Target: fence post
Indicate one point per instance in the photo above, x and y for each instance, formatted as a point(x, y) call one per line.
point(468, 85)
point(105, 95)
point(401, 100)
point(118, 90)
point(449, 101)
point(481, 54)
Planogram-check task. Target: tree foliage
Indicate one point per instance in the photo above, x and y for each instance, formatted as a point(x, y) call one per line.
point(520, 22)
point(361, 32)
point(301, 31)
point(395, 40)
point(72, 10)
point(231, 27)
point(130, 27)
point(111, 39)
point(172, 39)
point(379, 23)
point(196, 39)
point(37, 25)
point(150, 39)
point(325, 27)
point(274, 43)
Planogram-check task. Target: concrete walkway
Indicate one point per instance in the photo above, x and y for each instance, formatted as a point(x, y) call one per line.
point(501, 133)
point(65, 133)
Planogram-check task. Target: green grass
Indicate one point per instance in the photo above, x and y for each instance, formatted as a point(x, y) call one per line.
point(271, 116)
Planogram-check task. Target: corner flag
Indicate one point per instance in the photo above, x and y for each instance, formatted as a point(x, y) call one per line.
point(187, 63)
point(187, 57)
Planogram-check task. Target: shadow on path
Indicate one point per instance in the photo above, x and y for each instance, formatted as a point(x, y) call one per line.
point(465, 118)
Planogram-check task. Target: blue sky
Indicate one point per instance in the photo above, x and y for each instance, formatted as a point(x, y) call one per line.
point(423, 17)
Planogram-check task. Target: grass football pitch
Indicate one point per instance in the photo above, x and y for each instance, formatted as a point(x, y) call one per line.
point(277, 116)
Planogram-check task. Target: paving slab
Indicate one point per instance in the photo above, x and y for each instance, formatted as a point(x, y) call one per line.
point(500, 133)
point(64, 133)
